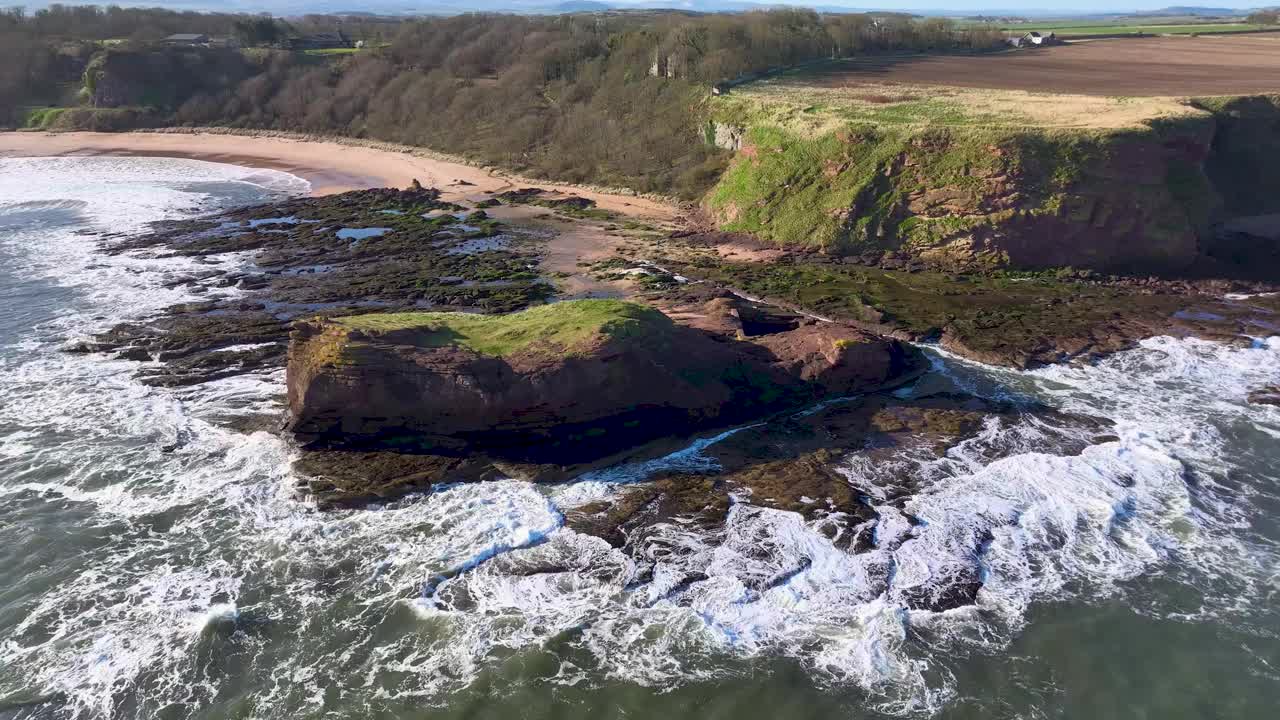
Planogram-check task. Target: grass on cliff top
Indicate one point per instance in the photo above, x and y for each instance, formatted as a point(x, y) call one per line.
point(565, 325)
point(1265, 106)
point(811, 110)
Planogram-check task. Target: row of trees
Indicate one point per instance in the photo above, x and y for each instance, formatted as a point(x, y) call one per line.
point(720, 47)
point(88, 22)
point(34, 69)
point(592, 98)
point(145, 25)
point(706, 48)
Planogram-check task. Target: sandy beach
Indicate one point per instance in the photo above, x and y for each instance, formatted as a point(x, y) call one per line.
point(335, 167)
point(330, 167)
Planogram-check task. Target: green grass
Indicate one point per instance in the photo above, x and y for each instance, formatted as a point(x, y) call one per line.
point(332, 52)
point(847, 191)
point(561, 327)
point(931, 111)
point(43, 118)
point(894, 188)
point(1069, 29)
point(786, 193)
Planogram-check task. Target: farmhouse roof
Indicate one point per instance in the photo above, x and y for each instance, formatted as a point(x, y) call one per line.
point(186, 36)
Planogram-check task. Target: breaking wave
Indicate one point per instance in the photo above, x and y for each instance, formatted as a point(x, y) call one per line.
point(159, 561)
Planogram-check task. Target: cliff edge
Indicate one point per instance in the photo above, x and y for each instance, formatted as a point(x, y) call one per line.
point(966, 192)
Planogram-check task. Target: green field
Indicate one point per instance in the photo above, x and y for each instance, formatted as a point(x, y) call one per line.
point(330, 52)
point(1070, 29)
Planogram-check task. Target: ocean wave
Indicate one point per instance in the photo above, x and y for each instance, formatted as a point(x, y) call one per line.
point(1028, 526)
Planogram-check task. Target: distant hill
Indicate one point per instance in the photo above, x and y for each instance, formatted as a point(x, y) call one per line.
point(453, 7)
point(575, 6)
point(1193, 10)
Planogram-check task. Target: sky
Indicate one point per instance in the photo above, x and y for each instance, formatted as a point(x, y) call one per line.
point(1013, 6)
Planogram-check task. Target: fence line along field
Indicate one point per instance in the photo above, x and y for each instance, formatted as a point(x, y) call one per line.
point(1148, 67)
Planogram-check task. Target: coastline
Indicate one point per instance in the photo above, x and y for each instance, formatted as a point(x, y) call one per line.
point(336, 165)
point(210, 480)
point(331, 165)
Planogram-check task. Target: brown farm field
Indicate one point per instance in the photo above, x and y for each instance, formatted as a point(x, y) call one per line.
point(1148, 67)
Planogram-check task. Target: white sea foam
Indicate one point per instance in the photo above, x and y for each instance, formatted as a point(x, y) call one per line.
point(93, 436)
point(1031, 526)
point(246, 347)
point(600, 484)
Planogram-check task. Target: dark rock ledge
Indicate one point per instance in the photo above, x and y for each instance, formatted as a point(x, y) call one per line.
point(554, 389)
point(310, 258)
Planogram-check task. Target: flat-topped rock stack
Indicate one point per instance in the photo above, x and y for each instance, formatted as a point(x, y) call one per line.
point(562, 383)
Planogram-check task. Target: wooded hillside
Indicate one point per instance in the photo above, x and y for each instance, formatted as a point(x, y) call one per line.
point(613, 98)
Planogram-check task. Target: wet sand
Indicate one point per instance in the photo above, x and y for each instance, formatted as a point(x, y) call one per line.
point(330, 167)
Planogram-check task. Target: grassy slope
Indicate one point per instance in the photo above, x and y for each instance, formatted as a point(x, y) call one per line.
point(43, 118)
point(840, 172)
point(848, 191)
point(565, 326)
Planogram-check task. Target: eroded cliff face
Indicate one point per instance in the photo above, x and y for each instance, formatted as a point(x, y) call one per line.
point(1144, 200)
point(419, 389)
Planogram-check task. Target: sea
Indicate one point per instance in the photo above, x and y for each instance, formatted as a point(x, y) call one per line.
point(155, 562)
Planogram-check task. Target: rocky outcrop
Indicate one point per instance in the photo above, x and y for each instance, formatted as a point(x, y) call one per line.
point(414, 385)
point(836, 358)
point(1022, 321)
point(564, 383)
point(303, 266)
point(725, 136)
point(544, 198)
point(1269, 395)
